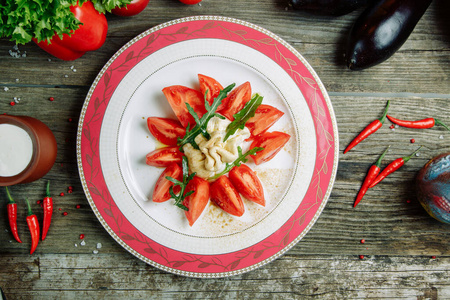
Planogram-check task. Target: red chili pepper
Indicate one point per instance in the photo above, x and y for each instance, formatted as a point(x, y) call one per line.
point(371, 175)
point(33, 225)
point(48, 211)
point(392, 167)
point(371, 128)
point(12, 216)
point(88, 37)
point(420, 124)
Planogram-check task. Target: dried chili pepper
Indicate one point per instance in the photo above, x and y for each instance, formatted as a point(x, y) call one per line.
point(392, 167)
point(48, 211)
point(374, 170)
point(371, 128)
point(33, 225)
point(12, 216)
point(420, 124)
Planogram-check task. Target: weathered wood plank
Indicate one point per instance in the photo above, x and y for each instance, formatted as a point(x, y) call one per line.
point(290, 277)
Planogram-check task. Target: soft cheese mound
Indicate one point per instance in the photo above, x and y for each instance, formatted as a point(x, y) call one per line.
point(214, 153)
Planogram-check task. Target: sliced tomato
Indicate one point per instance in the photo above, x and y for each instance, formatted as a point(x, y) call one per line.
point(265, 116)
point(178, 96)
point(165, 130)
point(272, 142)
point(162, 186)
point(235, 101)
point(247, 183)
point(163, 157)
point(211, 85)
point(225, 195)
point(197, 201)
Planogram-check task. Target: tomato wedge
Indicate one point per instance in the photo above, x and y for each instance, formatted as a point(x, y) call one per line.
point(162, 186)
point(197, 201)
point(225, 195)
point(178, 96)
point(163, 157)
point(211, 85)
point(265, 116)
point(272, 142)
point(248, 184)
point(235, 101)
point(165, 130)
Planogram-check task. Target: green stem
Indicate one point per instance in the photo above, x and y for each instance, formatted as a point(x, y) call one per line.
point(30, 212)
point(378, 163)
point(442, 124)
point(385, 112)
point(48, 189)
point(406, 158)
point(11, 200)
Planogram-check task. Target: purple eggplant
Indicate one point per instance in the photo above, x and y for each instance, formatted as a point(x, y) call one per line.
point(381, 30)
point(329, 7)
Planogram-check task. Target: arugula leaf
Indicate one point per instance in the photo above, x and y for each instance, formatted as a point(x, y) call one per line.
point(200, 127)
point(242, 158)
point(241, 117)
point(186, 178)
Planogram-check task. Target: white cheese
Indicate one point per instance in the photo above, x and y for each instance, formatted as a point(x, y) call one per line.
point(214, 153)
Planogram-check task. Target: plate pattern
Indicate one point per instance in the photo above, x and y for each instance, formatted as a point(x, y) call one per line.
point(191, 264)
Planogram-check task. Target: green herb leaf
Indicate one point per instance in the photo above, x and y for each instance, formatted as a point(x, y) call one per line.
point(186, 178)
point(242, 158)
point(241, 117)
point(22, 20)
point(200, 127)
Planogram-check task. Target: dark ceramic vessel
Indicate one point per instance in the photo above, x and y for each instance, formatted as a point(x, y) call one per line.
point(44, 149)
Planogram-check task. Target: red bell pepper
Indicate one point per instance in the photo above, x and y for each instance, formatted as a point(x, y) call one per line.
point(90, 35)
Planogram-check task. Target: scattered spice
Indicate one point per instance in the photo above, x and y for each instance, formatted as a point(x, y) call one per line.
point(78, 206)
point(433, 257)
point(70, 120)
point(61, 194)
point(363, 241)
point(12, 216)
point(65, 213)
point(361, 257)
point(81, 236)
point(370, 129)
point(38, 202)
point(12, 103)
point(412, 141)
point(51, 99)
point(392, 167)
point(392, 126)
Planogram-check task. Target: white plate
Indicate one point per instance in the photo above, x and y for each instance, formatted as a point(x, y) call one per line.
point(113, 140)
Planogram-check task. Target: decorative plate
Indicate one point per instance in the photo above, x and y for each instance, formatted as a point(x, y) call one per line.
point(113, 140)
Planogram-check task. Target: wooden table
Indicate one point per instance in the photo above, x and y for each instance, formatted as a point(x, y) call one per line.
point(406, 252)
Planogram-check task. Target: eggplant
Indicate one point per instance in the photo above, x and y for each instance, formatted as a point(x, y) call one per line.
point(328, 7)
point(381, 30)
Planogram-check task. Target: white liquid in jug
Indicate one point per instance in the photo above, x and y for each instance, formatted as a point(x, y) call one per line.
point(16, 150)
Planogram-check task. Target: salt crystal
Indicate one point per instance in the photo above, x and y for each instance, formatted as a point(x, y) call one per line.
point(99, 245)
point(15, 47)
point(396, 126)
point(66, 76)
point(95, 251)
point(17, 79)
point(76, 245)
point(6, 89)
point(49, 59)
point(83, 243)
point(71, 67)
point(6, 230)
point(417, 154)
point(74, 70)
point(441, 137)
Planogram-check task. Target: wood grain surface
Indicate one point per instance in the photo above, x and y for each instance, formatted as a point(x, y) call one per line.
point(406, 252)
